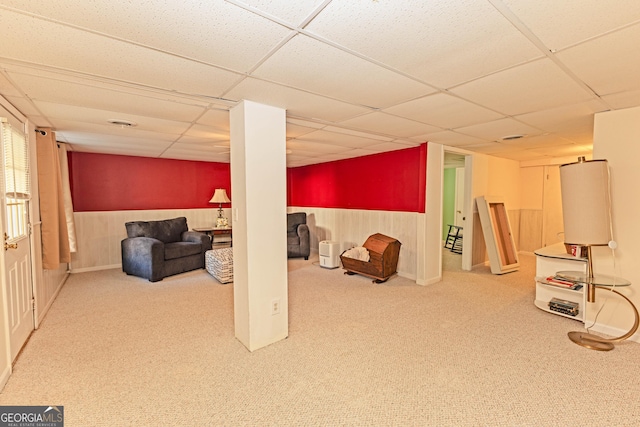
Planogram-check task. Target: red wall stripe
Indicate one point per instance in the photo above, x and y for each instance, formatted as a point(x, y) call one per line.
point(105, 182)
point(392, 181)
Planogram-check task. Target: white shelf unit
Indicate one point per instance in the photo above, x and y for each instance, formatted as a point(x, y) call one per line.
point(550, 260)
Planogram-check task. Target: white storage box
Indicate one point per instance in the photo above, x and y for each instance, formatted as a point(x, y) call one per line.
point(219, 263)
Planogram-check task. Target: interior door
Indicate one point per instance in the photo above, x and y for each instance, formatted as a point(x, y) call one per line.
point(16, 259)
point(459, 206)
point(17, 263)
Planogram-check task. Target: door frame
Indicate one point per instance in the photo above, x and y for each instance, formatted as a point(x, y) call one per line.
point(430, 246)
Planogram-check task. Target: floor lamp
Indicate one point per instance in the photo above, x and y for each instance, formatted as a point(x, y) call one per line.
point(586, 210)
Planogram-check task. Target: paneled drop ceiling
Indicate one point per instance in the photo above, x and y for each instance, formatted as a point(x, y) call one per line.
point(356, 77)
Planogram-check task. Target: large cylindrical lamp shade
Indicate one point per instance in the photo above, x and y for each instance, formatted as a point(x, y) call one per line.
point(586, 202)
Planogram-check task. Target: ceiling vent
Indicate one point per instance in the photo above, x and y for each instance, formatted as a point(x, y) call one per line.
point(122, 123)
point(512, 137)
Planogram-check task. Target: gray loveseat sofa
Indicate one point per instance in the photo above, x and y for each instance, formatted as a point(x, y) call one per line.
point(157, 249)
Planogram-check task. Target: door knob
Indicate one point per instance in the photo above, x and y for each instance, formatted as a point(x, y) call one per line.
point(8, 246)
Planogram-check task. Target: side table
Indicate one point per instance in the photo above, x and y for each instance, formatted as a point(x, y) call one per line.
point(216, 231)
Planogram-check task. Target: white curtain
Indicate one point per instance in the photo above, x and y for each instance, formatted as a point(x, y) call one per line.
point(66, 193)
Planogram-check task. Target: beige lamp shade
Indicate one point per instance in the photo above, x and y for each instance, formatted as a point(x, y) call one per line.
point(586, 203)
point(220, 196)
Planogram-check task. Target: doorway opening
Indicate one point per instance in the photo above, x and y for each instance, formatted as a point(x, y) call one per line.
point(455, 211)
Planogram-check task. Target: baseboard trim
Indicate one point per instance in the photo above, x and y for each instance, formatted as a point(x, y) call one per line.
point(97, 268)
point(43, 313)
point(5, 377)
point(614, 332)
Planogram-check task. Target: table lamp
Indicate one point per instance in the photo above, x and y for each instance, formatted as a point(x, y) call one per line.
point(220, 197)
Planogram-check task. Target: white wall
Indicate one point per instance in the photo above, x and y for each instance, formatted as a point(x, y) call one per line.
point(616, 138)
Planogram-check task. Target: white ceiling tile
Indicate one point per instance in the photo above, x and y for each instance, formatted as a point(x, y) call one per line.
point(100, 117)
point(7, 88)
point(608, 64)
point(116, 150)
point(26, 107)
point(624, 99)
point(294, 130)
point(294, 12)
point(345, 131)
point(442, 42)
point(203, 142)
point(83, 95)
point(207, 132)
point(492, 148)
point(575, 150)
point(306, 123)
point(300, 145)
point(520, 155)
point(71, 128)
point(575, 116)
point(529, 87)
point(564, 23)
point(392, 125)
point(443, 110)
point(296, 102)
point(307, 63)
point(198, 156)
point(389, 146)
point(536, 141)
point(496, 130)
point(451, 138)
point(352, 141)
point(42, 42)
point(216, 118)
point(212, 31)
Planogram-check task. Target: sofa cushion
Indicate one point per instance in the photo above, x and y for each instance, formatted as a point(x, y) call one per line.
point(139, 229)
point(167, 231)
point(181, 249)
point(170, 230)
point(293, 240)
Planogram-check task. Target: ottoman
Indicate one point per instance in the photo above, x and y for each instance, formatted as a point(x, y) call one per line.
point(219, 263)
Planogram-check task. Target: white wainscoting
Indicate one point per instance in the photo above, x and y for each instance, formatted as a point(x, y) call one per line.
point(100, 233)
point(351, 227)
point(47, 282)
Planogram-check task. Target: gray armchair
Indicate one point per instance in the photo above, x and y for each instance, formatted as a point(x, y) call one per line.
point(157, 249)
point(298, 242)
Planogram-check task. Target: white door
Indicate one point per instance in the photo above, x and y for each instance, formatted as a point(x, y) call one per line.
point(459, 205)
point(17, 264)
point(15, 224)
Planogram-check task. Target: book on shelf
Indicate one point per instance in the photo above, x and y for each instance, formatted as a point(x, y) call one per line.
point(562, 282)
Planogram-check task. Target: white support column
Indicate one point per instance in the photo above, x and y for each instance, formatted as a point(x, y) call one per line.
point(259, 206)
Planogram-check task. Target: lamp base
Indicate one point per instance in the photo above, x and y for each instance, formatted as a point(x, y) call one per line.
point(590, 341)
point(595, 342)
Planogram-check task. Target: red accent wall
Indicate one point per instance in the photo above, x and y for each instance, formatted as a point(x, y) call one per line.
point(392, 181)
point(105, 182)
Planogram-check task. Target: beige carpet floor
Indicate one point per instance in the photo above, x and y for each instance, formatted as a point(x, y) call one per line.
point(471, 350)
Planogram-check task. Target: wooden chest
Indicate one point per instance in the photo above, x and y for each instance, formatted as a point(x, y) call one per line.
point(383, 258)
